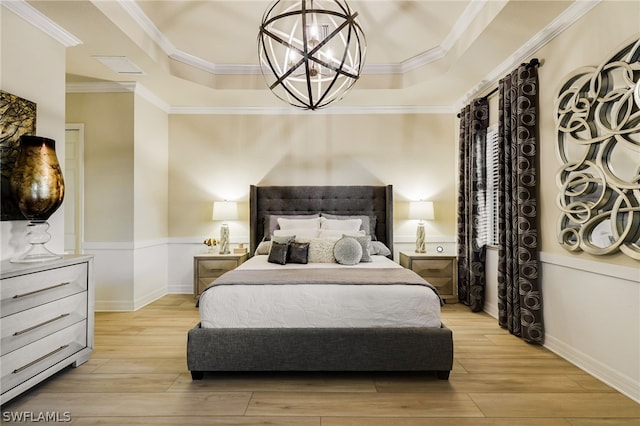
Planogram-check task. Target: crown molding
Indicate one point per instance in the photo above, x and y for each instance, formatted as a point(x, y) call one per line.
point(563, 21)
point(334, 110)
point(464, 21)
point(119, 87)
point(33, 16)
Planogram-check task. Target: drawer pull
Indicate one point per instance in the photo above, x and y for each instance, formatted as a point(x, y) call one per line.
point(26, 330)
point(24, 367)
point(17, 296)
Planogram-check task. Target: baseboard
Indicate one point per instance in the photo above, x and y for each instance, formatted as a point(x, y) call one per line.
point(180, 288)
point(621, 383)
point(141, 302)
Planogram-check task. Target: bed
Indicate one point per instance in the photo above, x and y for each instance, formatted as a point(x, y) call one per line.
point(297, 337)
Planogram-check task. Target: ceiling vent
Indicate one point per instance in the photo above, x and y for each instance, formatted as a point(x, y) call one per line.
point(120, 64)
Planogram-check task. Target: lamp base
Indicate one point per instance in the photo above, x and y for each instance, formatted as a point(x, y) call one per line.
point(37, 235)
point(420, 242)
point(224, 239)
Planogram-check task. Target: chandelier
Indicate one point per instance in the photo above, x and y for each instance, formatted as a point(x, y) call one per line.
point(311, 52)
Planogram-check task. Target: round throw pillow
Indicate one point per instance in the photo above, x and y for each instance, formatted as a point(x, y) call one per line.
point(347, 251)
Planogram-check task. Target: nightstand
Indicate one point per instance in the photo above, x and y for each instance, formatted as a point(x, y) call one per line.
point(208, 267)
point(439, 270)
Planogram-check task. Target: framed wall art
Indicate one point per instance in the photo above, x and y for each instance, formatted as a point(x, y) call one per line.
point(17, 118)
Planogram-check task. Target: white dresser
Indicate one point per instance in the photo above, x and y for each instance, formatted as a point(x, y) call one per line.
point(47, 320)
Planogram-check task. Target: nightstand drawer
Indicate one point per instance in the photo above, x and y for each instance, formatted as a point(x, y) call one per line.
point(25, 327)
point(28, 361)
point(438, 270)
point(215, 268)
point(208, 267)
point(29, 290)
point(433, 267)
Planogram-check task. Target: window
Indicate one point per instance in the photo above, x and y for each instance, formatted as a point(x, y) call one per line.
point(491, 198)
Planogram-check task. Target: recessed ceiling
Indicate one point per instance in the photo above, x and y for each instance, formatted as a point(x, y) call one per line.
point(203, 54)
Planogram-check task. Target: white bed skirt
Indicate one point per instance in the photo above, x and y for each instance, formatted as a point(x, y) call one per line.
point(320, 306)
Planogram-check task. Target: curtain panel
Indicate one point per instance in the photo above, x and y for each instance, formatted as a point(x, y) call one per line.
point(474, 120)
point(519, 292)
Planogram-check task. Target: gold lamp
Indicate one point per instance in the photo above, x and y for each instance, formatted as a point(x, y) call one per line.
point(421, 210)
point(223, 211)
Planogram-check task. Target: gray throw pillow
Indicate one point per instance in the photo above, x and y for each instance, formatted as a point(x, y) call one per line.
point(298, 253)
point(347, 251)
point(278, 253)
point(365, 242)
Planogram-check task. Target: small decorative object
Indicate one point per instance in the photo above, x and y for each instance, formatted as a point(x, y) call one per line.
point(224, 210)
point(421, 210)
point(311, 52)
point(37, 186)
point(211, 243)
point(241, 249)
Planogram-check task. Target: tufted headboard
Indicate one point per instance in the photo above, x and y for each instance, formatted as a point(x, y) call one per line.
point(341, 200)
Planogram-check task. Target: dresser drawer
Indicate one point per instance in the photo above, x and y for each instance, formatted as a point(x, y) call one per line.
point(213, 268)
point(28, 361)
point(34, 289)
point(25, 327)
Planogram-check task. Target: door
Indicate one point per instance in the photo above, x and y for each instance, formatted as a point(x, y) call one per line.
point(74, 188)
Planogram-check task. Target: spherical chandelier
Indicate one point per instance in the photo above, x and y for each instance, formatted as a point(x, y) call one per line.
point(311, 51)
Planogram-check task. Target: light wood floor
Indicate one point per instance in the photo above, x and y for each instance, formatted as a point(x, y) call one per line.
point(137, 375)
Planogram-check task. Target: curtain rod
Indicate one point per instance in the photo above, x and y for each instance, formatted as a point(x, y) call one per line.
point(535, 62)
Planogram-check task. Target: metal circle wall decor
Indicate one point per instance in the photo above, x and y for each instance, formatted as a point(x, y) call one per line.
point(311, 52)
point(597, 117)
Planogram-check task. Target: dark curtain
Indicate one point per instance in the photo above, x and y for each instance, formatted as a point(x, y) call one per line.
point(519, 292)
point(474, 119)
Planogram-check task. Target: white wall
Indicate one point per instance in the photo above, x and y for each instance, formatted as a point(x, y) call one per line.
point(591, 315)
point(24, 51)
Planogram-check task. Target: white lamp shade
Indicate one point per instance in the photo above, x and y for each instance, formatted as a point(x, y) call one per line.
point(224, 210)
point(421, 210)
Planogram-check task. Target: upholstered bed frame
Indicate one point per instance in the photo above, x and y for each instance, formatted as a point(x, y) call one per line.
point(324, 349)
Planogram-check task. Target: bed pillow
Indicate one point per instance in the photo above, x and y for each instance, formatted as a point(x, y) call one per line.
point(263, 248)
point(378, 248)
point(270, 222)
point(365, 242)
point(298, 253)
point(368, 222)
point(288, 223)
point(283, 239)
point(321, 250)
point(336, 235)
point(297, 232)
point(346, 225)
point(347, 251)
point(278, 253)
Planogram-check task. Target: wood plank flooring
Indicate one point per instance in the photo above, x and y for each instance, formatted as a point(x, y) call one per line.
point(137, 375)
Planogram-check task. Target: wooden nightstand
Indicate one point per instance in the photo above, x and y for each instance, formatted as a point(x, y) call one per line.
point(439, 270)
point(208, 267)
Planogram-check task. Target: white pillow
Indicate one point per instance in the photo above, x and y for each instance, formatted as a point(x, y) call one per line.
point(299, 223)
point(296, 232)
point(348, 225)
point(336, 235)
point(321, 251)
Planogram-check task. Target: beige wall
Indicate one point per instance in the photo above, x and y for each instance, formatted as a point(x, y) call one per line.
point(214, 157)
point(150, 175)
point(109, 163)
point(32, 66)
point(589, 42)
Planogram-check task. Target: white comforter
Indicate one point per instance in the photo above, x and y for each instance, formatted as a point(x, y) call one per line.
point(327, 305)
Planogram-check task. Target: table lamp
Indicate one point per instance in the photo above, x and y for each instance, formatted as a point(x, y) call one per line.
point(223, 211)
point(421, 210)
